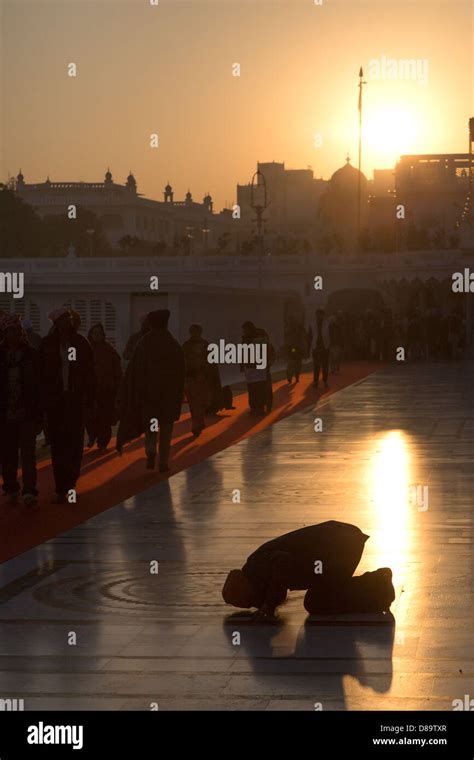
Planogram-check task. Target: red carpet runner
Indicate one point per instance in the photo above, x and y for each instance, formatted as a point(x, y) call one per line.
point(108, 479)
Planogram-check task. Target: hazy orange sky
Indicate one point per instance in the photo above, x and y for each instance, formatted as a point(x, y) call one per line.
point(168, 69)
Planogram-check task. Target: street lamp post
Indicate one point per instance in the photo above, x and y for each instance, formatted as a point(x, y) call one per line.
point(360, 85)
point(259, 204)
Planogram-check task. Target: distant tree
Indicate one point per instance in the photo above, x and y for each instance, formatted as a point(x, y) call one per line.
point(84, 233)
point(248, 247)
point(130, 243)
point(160, 248)
point(288, 246)
point(223, 241)
point(330, 243)
point(125, 242)
point(439, 238)
point(453, 240)
point(383, 239)
point(183, 245)
point(365, 240)
point(418, 238)
point(20, 226)
point(279, 245)
point(338, 242)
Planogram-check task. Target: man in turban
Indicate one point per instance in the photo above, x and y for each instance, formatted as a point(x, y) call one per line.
point(136, 336)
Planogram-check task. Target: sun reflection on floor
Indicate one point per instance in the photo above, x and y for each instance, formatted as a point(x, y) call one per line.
point(390, 478)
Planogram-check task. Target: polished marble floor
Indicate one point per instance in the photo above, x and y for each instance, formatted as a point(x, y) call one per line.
point(85, 624)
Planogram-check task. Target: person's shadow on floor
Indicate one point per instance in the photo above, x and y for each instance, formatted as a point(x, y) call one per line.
point(322, 656)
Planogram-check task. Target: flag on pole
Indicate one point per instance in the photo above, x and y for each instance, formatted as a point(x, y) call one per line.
point(361, 74)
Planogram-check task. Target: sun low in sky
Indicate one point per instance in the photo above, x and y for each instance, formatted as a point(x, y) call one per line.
point(170, 70)
point(390, 131)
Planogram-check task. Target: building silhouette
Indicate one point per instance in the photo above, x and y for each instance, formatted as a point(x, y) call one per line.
point(292, 196)
point(123, 211)
point(339, 208)
point(433, 190)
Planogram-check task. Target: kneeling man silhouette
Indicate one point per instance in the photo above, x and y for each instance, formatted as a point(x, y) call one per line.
point(320, 559)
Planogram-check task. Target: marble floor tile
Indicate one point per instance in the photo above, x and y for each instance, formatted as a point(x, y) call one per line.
point(166, 637)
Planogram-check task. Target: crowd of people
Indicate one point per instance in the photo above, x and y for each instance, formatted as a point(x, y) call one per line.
point(430, 334)
point(372, 335)
point(61, 384)
point(67, 385)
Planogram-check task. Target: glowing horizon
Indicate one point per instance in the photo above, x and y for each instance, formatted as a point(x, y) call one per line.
point(168, 69)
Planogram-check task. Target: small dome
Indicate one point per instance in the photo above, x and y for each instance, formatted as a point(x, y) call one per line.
point(189, 196)
point(108, 176)
point(20, 176)
point(168, 188)
point(346, 176)
point(131, 183)
point(207, 198)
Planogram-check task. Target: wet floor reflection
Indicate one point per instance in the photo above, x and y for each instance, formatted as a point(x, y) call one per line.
point(390, 479)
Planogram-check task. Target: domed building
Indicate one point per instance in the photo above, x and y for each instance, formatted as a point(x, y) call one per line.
point(338, 207)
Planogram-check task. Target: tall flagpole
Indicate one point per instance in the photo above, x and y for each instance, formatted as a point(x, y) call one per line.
point(360, 85)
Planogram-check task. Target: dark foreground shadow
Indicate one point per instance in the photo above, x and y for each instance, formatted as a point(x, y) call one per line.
point(322, 655)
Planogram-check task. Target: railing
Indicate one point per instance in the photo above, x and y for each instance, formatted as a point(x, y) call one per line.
point(216, 262)
point(309, 262)
point(46, 186)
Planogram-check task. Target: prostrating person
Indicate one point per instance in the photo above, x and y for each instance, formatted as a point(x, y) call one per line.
point(320, 559)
